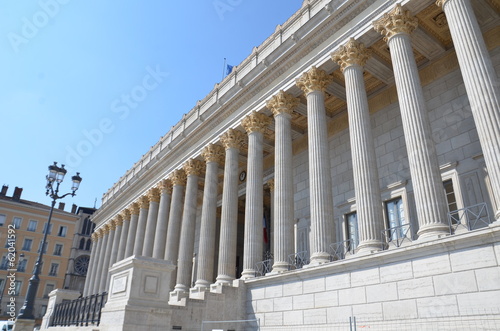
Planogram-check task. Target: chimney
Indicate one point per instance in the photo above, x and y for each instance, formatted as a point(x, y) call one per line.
point(4, 190)
point(61, 205)
point(73, 209)
point(17, 193)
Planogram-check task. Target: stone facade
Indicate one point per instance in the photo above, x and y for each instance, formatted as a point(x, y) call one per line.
point(360, 182)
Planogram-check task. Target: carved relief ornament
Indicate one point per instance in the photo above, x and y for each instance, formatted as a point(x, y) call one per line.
point(143, 202)
point(395, 22)
point(134, 208)
point(314, 80)
point(154, 195)
point(213, 153)
point(282, 103)
point(232, 139)
point(166, 186)
point(255, 122)
point(194, 167)
point(178, 177)
point(352, 53)
point(125, 214)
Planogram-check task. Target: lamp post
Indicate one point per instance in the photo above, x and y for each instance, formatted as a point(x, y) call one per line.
point(54, 178)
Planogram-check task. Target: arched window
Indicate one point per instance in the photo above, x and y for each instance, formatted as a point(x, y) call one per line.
point(82, 243)
point(87, 247)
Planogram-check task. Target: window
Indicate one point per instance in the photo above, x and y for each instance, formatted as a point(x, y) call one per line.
point(2, 219)
point(27, 244)
point(16, 221)
point(5, 263)
point(87, 226)
point(1, 285)
point(82, 244)
point(396, 218)
point(352, 230)
point(451, 199)
point(58, 249)
point(48, 288)
point(32, 225)
point(45, 228)
point(53, 269)
point(21, 267)
point(89, 242)
point(17, 287)
point(62, 231)
point(40, 247)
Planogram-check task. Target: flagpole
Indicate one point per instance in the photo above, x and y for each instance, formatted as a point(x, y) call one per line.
point(223, 69)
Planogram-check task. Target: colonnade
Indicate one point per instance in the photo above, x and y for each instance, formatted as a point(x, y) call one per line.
point(161, 223)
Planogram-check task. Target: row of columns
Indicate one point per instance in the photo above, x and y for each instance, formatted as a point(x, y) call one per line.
point(164, 215)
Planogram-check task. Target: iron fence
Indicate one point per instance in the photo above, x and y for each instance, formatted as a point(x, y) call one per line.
point(340, 249)
point(470, 218)
point(298, 260)
point(397, 234)
point(79, 312)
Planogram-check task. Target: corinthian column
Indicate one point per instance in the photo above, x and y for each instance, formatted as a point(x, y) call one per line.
point(282, 106)
point(141, 224)
point(351, 58)
point(214, 156)
point(232, 141)
point(430, 200)
point(255, 125)
point(134, 218)
point(314, 83)
point(118, 223)
point(103, 280)
point(102, 232)
point(123, 237)
point(193, 169)
point(154, 201)
point(162, 223)
point(90, 279)
point(178, 179)
point(481, 83)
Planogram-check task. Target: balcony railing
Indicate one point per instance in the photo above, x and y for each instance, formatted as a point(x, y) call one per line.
point(470, 218)
point(339, 250)
point(263, 267)
point(298, 260)
point(397, 234)
point(80, 312)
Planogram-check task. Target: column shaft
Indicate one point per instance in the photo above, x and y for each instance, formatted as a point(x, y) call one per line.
point(174, 224)
point(100, 263)
point(90, 278)
point(162, 224)
point(226, 270)
point(134, 218)
point(105, 266)
point(123, 237)
point(149, 236)
point(116, 243)
point(141, 226)
point(481, 84)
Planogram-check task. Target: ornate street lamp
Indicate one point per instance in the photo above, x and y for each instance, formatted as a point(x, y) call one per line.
point(54, 178)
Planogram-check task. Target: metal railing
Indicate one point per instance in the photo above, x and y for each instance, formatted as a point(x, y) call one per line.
point(470, 218)
point(397, 234)
point(79, 312)
point(340, 249)
point(263, 267)
point(298, 260)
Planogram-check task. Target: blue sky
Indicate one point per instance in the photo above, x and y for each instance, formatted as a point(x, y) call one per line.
point(69, 68)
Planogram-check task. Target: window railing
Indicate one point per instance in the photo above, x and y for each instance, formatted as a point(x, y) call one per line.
point(263, 267)
point(80, 312)
point(470, 218)
point(397, 234)
point(298, 260)
point(340, 249)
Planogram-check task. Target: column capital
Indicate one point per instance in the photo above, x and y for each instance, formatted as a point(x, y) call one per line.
point(270, 183)
point(111, 225)
point(232, 139)
point(193, 167)
point(105, 229)
point(118, 220)
point(255, 122)
point(282, 103)
point(125, 214)
point(352, 53)
point(213, 153)
point(395, 22)
point(94, 237)
point(143, 202)
point(165, 186)
point(154, 195)
point(178, 177)
point(99, 233)
point(314, 80)
point(134, 208)
point(441, 3)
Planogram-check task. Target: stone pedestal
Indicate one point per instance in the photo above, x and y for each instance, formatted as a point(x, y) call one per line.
point(24, 325)
point(137, 295)
point(55, 297)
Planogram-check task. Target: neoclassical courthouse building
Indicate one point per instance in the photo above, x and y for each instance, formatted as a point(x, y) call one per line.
point(347, 170)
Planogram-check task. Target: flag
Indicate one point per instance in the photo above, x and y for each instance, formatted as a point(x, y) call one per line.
point(266, 239)
point(229, 69)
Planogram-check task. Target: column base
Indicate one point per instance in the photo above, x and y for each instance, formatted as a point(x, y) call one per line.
point(198, 292)
point(369, 247)
point(317, 259)
point(248, 274)
point(178, 298)
point(279, 267)
point(433, 231)
point(24, 325)
point(224, 280)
